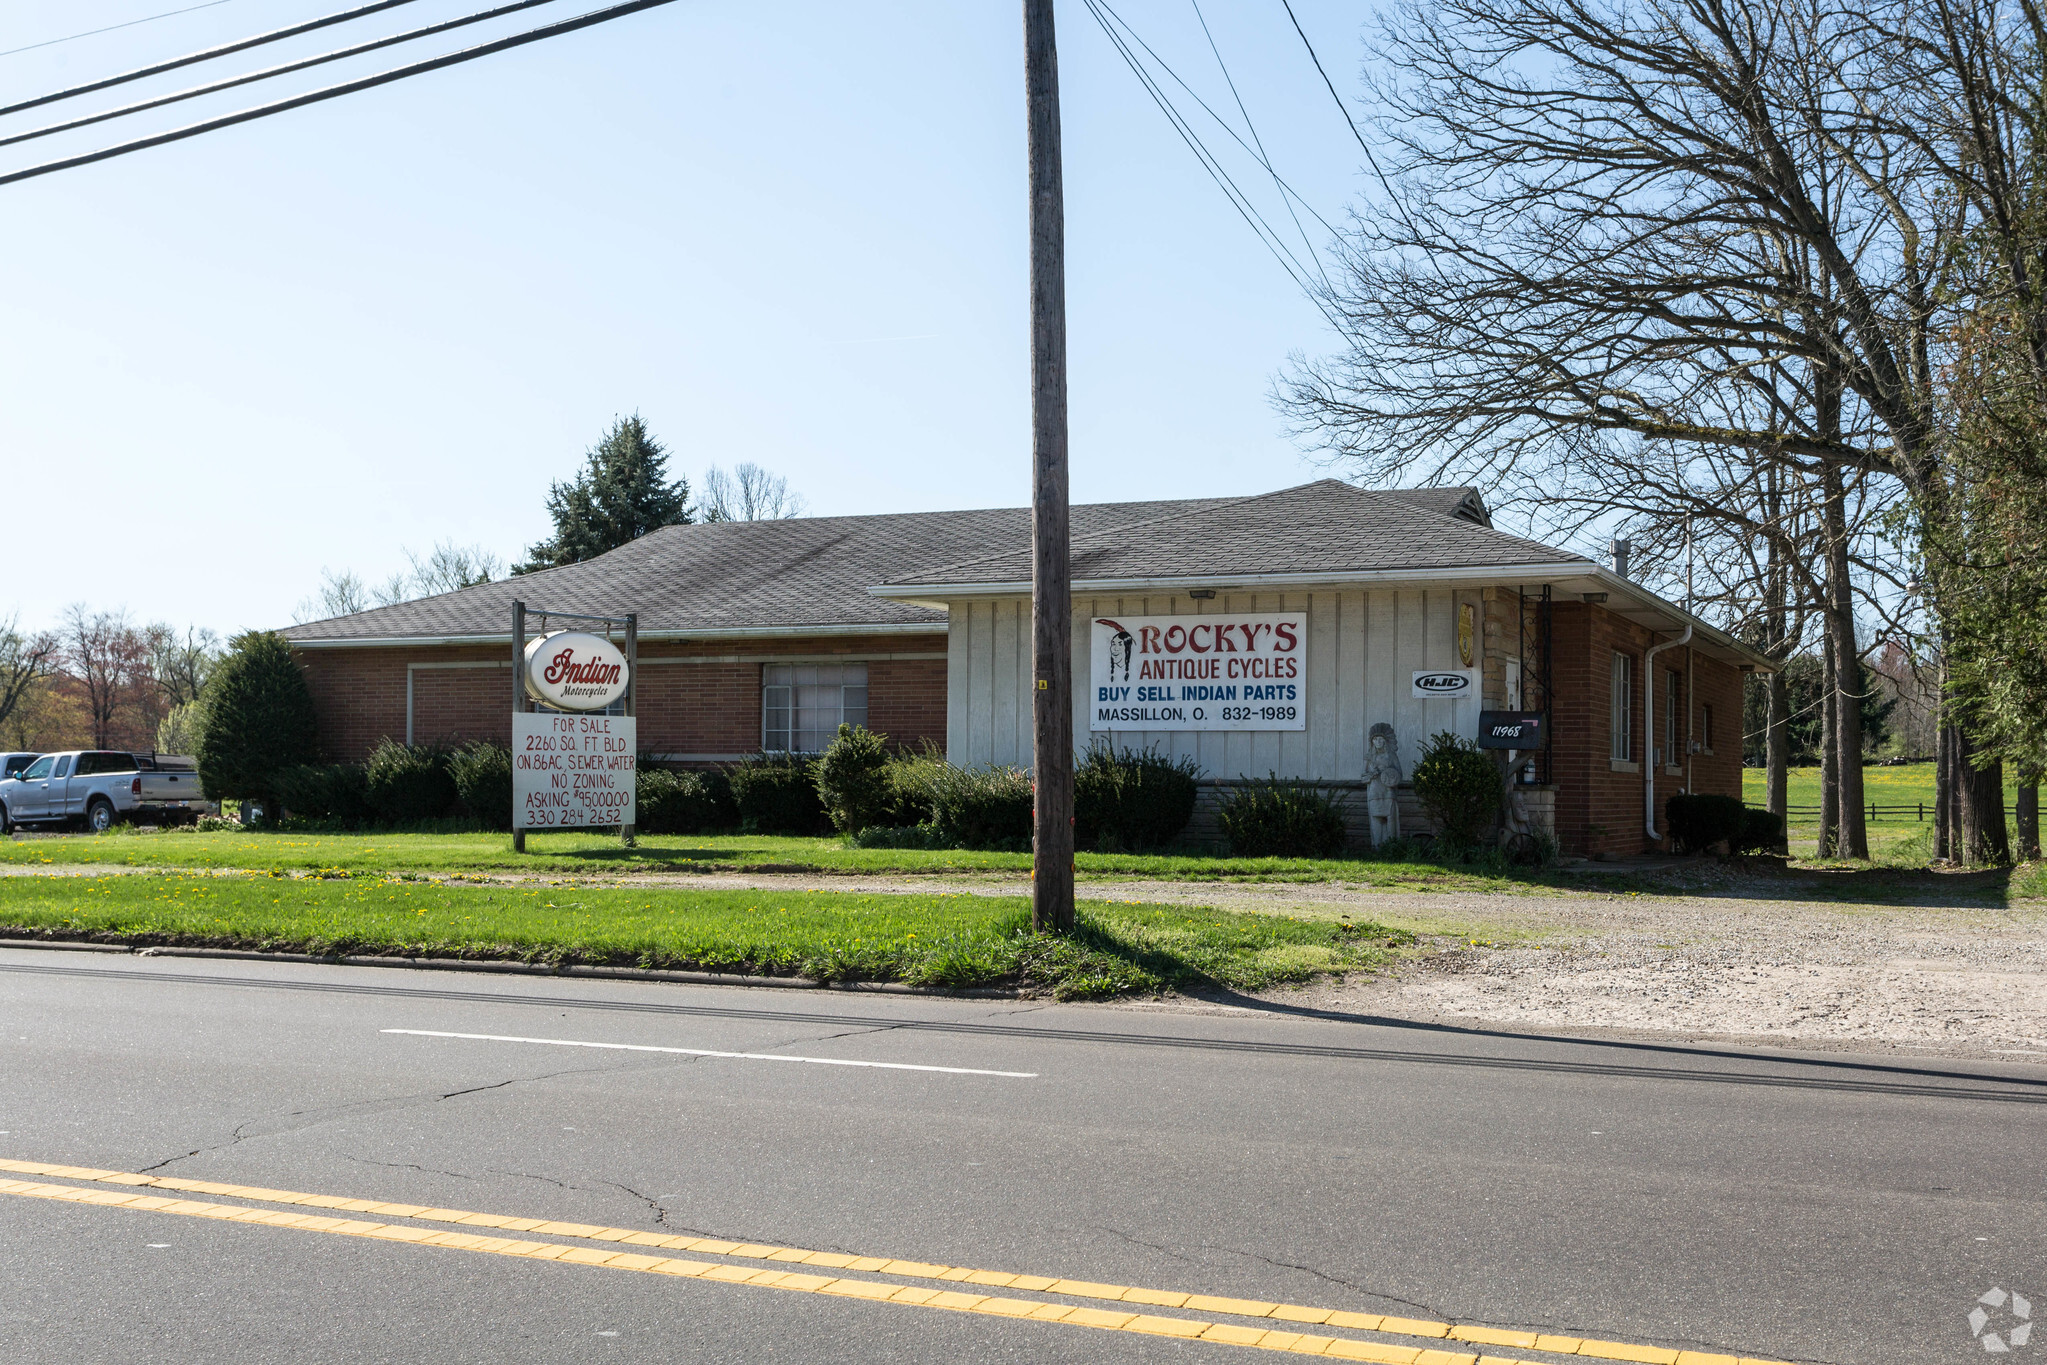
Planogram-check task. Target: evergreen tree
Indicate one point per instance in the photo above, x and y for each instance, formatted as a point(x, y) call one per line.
point(622, 494)
point(259, 721)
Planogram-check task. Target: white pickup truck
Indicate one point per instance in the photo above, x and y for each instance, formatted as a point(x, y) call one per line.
point(99, 787)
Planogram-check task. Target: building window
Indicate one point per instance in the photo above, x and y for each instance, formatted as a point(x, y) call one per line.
point(1623, 704)
point(803, 705)
point(1673, 709)
point(1706, 728)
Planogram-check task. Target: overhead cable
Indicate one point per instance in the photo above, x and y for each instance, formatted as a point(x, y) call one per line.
point(1258, 142)
point(1238, 199)
point(193, 92)
point(205, 54)
point(396, 73)
point(95, 32)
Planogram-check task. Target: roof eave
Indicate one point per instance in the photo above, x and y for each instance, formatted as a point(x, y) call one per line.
point(500, 637)
point(930, 593)
point(1572, 575)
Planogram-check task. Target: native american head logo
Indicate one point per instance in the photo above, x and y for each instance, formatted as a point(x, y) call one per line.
point(1120, 645)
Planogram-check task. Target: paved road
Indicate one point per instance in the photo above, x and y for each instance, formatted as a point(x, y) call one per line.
point(1774, 1206)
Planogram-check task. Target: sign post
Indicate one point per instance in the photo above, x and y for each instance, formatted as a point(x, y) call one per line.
point(575, 741)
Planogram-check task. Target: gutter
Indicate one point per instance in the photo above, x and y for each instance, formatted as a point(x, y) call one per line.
point(921, 592)
point(498, 637)
point(1649, 725)
point(1597, 576)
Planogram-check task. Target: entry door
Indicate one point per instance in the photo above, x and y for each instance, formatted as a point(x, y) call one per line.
point(66, 791)
point(29, 799)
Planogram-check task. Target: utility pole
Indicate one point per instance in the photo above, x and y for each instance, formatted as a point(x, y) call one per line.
point(1051, 577)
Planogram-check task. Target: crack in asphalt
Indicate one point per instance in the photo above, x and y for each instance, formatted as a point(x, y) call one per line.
point(281, 1125)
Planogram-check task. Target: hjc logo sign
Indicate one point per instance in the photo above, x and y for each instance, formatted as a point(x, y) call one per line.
point(575, 671)
point(1442, 684)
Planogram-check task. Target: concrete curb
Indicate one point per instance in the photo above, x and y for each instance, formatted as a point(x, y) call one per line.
point(451, 964)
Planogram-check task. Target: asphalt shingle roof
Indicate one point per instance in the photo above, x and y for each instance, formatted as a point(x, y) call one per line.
point(816, 572)
point(1318, 528)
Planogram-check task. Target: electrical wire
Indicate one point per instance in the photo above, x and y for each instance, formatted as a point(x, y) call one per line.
point(396, 73)
point(1238, 199)
point(1264, 159)
point(1256, 154)
point(266, 73)
point(1341, 107)
point(95, 32)
point(206, 54)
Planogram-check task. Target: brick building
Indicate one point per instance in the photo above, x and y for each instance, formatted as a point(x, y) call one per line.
point(765, 635)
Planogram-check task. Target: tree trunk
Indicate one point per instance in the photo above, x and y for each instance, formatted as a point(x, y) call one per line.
point(1830, 765)
point(1777, 730)
point(2029, 817)
point(1946, 848)
point(1980, 794)
point(1847, 691)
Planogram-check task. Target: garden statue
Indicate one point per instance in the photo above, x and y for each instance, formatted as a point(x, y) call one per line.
point(1382, 778)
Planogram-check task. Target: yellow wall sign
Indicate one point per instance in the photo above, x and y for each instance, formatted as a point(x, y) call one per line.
point(1467, 626)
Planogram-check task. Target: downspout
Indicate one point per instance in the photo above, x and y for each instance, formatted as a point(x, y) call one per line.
point(1649, 726)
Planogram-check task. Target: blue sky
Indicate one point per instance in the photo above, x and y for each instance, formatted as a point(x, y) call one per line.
point(791, 234)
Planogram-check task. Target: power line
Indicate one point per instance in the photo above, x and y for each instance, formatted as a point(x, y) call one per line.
point(1238, 199)
point(207, 54)
point(1341, 107)
point(266, 73)
point(93, 32)
point(397, 73)
point(1256, 154)
point(1264, 159)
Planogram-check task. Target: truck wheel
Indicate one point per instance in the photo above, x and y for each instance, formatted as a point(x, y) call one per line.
point(99, 816)
point(6, 822)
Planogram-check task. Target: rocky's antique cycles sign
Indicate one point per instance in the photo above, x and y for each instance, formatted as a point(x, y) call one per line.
point(575, 671)
point(1224, 672)
point(573, 772)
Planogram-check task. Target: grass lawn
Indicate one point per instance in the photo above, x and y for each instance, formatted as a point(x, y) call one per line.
point(938, 940)
point(1895, 836)
point(601, 855)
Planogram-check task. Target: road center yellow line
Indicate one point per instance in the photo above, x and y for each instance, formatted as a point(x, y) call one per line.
point(1247, 1308)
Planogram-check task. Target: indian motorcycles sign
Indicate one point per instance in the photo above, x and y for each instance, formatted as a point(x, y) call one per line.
point(1246, 672)
point(573, 671)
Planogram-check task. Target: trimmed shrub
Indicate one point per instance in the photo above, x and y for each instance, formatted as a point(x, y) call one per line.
point(409, 784)
point(986, 808)
point(1280, 818)
point(776, 794)
point(854, 781)
point(482, 772)
point(1130, 799)
point(259, 721)
point(325, 791)
point(1762, 831)
point(898, 836)
point(1459, 786)
point(1697, 821)
point(672, 802)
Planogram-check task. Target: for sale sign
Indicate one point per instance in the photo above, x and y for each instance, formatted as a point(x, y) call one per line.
point(572, 772)
point(1241, 672)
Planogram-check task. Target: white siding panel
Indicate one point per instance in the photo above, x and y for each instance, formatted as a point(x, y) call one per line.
point(1010, 723)
point(959, 678)
point(1363, 648)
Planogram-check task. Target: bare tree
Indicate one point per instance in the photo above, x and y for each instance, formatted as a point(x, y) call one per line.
point(1715, 226)
point(339, 594)
point(448, 567)
point(25, 661)
point(107, 657)
point(748, 493)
